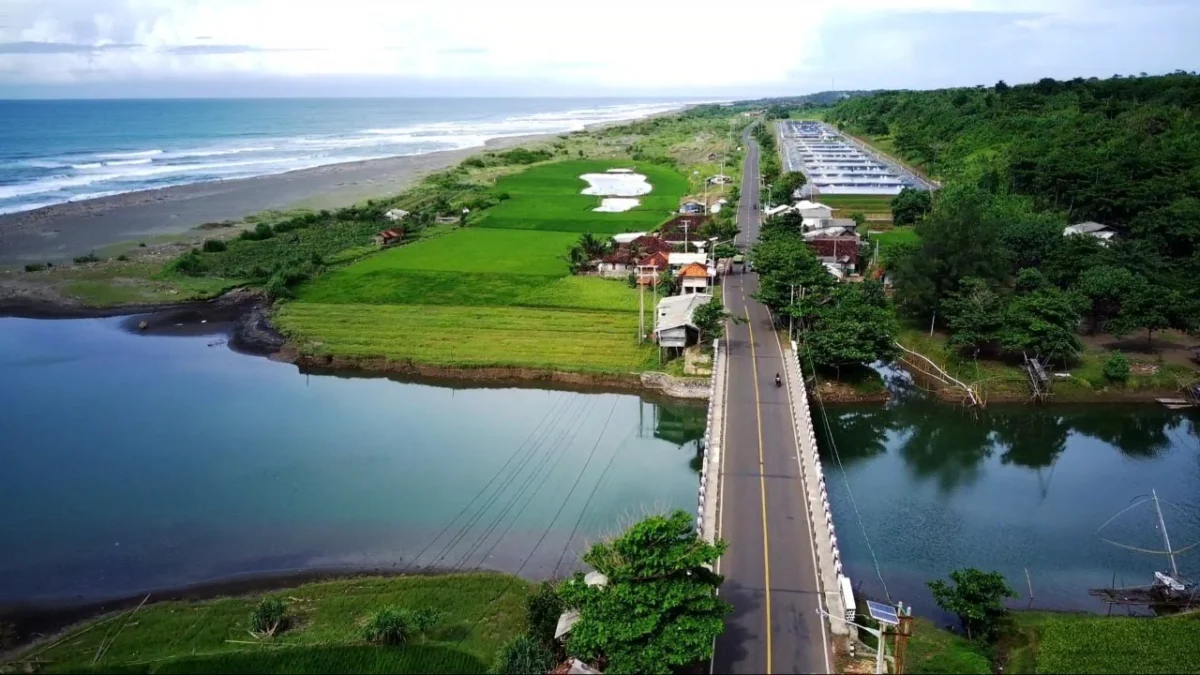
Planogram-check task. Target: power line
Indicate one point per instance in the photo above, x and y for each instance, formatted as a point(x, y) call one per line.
point(586, 504)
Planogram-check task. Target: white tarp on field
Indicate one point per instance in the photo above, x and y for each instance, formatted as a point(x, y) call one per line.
point(617, 204)
point(616, 184)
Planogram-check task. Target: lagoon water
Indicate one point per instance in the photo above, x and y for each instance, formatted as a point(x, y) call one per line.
point(131, 462)
point(1012, 488)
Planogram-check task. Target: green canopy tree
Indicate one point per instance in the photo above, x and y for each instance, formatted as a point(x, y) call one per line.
point(1041, 320)
point(659, 610)
point(1106, 288)
point(854, 326)
point(910, 206)
point(975, 315)
point(783, 261)
point(977, 598)
point(709, 320)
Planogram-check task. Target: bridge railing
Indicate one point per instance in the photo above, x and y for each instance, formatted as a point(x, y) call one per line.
point(710, 467)
point(830, 572)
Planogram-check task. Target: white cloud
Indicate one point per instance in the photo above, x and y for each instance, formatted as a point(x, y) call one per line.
point(614, 45)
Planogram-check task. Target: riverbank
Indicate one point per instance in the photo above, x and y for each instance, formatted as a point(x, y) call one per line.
point(477, 613)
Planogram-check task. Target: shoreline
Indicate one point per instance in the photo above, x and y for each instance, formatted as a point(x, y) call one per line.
point(62, 231)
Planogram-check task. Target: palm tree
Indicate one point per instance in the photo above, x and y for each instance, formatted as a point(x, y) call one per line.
point(593, 246)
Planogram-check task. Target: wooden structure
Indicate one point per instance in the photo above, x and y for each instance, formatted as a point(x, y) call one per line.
point(1039, 381)
point(389, 237)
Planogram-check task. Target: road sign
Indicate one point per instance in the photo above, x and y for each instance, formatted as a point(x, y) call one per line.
point(883, 613)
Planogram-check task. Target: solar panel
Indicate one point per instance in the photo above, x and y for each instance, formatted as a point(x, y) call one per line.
point(883, 613)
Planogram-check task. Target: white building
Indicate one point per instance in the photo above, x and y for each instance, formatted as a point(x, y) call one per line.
point(1102, 232)
point(396, 215)
point(673, 325)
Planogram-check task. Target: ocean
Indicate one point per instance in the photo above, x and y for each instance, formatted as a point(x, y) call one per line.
point(58, 151)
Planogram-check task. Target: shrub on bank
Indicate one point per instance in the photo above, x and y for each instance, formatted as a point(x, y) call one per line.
point(214, 246)
point(524, 654)
point(269, 617)
point(395, 626)
point(1116, 368)
point(89, 258)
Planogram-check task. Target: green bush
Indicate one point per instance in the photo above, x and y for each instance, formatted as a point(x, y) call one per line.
point(214, 246)
point(389, 626)
point(542, 609)
point(1116, 368)
point(524, 654)
point(277, 288)
point(122, 257)
point(260, 232)
point(473, 162)
point(189, 264)
point(269, 616)
point(37, 267)
point(141, 244)
point(89, 258)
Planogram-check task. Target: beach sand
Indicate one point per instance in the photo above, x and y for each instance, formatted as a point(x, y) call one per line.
point(63, 231)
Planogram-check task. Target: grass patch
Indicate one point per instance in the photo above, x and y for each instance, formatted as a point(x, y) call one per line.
point(548, 197)
point(585, 293)
point(478, 250)
point(933, 650)
point(130, 282)
point(848, 204)
point(419, 287)
point(479, 613)
point(470, 336)
point(1080, 643)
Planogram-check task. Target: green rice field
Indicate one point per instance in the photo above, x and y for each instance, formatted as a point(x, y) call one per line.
point(1079, 643)
point(549, 198)
point(472, 337)
point(489, 295)
point(480, 612)
point(847, 204)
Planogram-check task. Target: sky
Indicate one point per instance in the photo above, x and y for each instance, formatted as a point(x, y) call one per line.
point(650, 48)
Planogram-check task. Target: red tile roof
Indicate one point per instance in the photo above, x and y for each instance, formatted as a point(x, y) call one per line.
point(694, 271)
point(673, 229)
point(658, 259)
point(845, 248)
point(649, 244)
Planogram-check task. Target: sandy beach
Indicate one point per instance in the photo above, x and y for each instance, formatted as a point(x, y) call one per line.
point(63, 231)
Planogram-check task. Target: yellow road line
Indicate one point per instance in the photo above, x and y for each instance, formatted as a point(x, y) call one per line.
point(762, 479)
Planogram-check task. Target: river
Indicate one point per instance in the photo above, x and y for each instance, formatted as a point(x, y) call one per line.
point(135, 462)
point(1011, 488)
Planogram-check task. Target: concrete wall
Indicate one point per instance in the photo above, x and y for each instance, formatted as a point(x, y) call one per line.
point(829, 558)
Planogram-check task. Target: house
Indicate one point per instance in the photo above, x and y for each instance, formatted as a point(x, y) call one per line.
point(693, 278)
point(673, 325)
point(811, 225)
point(627, 237)
point(658, 262)
point(777, 210)
point(815, 210)
point(831, 231)
point(396, 215)
point(841, 252)
point(720, 179)
point(619, 263)
point(682, 229)
point(1102, 232)
point(692, 208)
point(389, 237)
point(646, 244)
point(685, 259)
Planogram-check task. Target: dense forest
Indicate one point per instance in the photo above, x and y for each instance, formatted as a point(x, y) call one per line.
point(1018, 164)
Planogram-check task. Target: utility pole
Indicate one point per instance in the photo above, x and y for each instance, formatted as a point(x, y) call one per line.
point(904, 631)
point(791, 314)
point(641, 308)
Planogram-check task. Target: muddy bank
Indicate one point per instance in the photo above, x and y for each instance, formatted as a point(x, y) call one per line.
point(483, 377)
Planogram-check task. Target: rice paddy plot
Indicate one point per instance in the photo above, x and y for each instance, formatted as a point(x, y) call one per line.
point(584, 293)
point(848, 204)
point(478, 250)
point(469, 336)
point(550, 197)
point(393, 286)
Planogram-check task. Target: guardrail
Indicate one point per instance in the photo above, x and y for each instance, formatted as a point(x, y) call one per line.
point(830, 573)
point(709, 491)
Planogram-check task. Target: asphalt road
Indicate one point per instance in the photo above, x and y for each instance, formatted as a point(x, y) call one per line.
point(770, 567)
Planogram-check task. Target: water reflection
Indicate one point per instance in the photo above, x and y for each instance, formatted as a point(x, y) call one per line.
point(1008, 488)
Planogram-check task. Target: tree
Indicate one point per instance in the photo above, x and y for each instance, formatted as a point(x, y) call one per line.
point(1146, 306)
point(783, 262)
point(1106, 288)
point(709, 320)
point(725, 250)
point(1116, 368)
point(1041, 320)
point(854, 326)
point(859, 218)
point(659, 610)
point(974, 314)
point(910, 206)
point(1002, 87)
point(788, 183)
point(976, 597)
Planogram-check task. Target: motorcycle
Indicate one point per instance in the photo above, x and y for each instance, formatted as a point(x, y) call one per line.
point(778, 382)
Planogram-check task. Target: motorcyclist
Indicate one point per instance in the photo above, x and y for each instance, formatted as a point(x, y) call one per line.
point(778, 382)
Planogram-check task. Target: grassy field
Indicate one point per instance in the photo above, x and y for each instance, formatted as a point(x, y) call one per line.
point(486, 295)
point(548, 197)
point(126, 282)
point(479, 613)
point(1078, 643)
point(932, 650)
point(578, 341)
